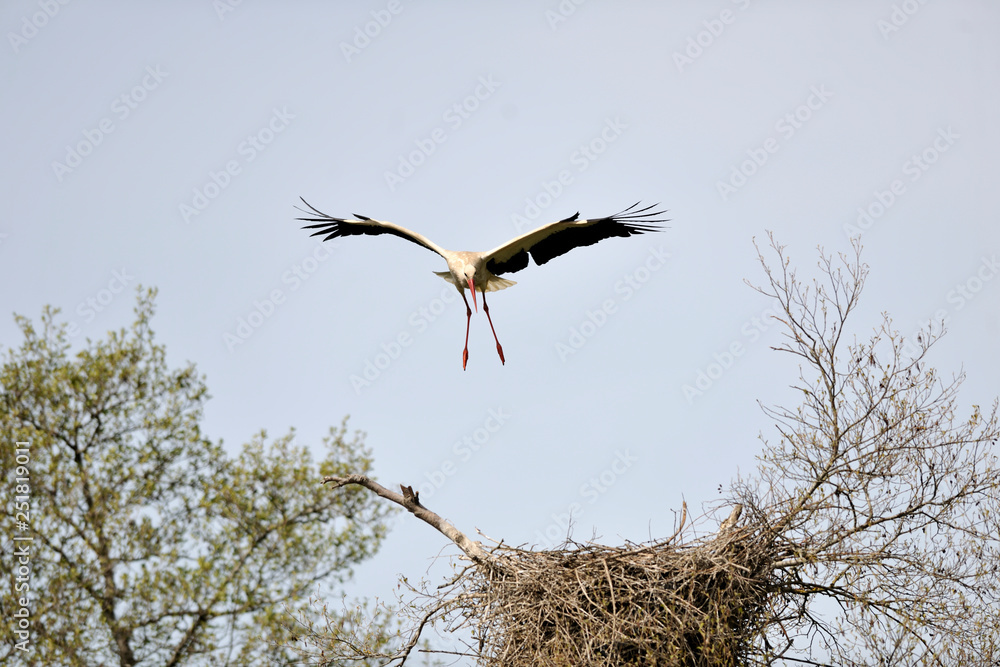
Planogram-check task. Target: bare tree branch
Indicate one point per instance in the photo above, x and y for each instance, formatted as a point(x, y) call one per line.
point(411, 502)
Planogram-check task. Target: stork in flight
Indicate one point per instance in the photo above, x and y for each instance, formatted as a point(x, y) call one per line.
point(481, 270)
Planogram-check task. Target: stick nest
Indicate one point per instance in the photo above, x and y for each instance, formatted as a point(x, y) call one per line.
point(653, 604)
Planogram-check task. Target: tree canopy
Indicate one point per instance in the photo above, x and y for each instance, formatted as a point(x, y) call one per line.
point(147, 543)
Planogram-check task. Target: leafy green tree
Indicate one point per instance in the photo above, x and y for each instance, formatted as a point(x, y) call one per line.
point(150, 544)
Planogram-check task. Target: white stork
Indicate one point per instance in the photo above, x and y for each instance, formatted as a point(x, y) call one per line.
point(481, 270)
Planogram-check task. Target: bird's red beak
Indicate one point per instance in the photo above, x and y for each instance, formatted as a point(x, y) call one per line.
point(473, 288)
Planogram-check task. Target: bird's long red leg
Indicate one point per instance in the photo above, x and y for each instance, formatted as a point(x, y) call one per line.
point(486, 309)
point(468, 319)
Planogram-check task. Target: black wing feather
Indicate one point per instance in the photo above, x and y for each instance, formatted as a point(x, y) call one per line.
point(630, 222)
point(337, 227)
point(512, 265)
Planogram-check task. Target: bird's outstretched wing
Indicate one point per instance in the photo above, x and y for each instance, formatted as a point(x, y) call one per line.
point(558, 238)
point(331, 228)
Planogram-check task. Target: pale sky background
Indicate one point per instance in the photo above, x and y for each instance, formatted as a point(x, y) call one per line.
point(118, 116)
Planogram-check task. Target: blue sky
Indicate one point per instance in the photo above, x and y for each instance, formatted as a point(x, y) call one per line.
point(167, 143)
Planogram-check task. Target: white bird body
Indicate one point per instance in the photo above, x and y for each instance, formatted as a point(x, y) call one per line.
point(464, 264)
point(480, 270)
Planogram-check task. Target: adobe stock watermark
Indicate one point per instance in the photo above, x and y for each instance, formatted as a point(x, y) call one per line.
point(264, 309)
point(624, 289)
point(786, 127)
point(705, 38)
point(966, 291)
point(454, 117)
point(580, 160)
point(89, 308)
point(364, 34)
point(591, 490)
point(561, 13)
point(121, 108)
point(223, 7)
point(31, 25)
point(463, 450)
point(246, 152)
point(22, 539)
point(419, 321)
point(899, 16)
point(957, 298)
point(913, 168)
point(724, 360)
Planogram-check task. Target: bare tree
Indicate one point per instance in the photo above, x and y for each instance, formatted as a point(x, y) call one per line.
point(882, 499)
point(868, 534)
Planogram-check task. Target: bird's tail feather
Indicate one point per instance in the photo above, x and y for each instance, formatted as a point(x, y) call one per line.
point(495, 284)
